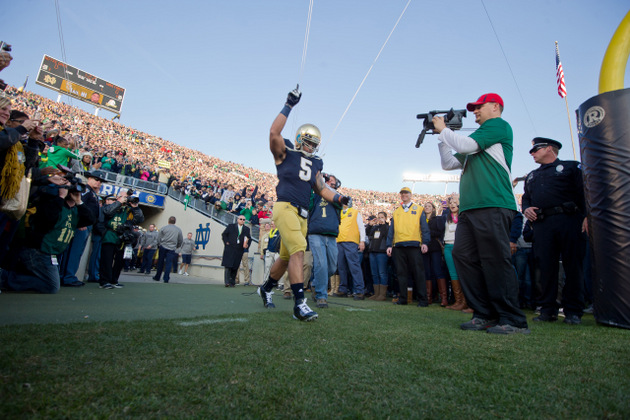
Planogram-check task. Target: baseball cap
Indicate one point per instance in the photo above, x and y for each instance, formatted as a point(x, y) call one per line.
point(405, 189)
point(485, 98)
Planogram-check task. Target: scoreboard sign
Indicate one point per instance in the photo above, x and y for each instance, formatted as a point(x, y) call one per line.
point(64, 78)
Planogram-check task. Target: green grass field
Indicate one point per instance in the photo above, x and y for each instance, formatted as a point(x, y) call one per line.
point(234, 359)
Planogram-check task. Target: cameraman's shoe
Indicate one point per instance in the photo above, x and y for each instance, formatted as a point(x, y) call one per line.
point(302, 312)
point(266, 298)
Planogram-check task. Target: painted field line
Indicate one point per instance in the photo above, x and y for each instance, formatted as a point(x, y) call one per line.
point(211, 321)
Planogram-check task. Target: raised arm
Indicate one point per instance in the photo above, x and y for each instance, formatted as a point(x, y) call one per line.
point(328, 193)
point(276, 141)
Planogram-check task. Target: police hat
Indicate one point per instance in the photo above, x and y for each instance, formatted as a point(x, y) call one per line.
point(94, 175)
point(539, 142)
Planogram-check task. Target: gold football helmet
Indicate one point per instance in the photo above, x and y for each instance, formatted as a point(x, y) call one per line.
point(308, 137)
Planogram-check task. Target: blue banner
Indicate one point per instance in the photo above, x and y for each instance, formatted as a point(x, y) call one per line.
point(146, 199)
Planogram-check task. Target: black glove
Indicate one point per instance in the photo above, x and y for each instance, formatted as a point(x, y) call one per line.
point(294, 96)
point(344, 200)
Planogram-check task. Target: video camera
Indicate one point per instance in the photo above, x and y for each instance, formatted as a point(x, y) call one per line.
point(452, 119)
point(130, 198)
point(75, 184)
point(126, 233)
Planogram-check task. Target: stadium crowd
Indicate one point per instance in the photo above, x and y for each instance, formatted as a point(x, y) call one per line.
point(87, 142)
point(115, 147)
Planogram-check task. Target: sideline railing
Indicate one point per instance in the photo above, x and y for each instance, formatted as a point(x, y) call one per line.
point(132, 182)
point(209, 210)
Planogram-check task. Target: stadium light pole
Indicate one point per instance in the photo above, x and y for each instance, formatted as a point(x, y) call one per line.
point(435, 177)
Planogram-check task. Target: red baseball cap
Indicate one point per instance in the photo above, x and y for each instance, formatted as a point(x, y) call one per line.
point(488, 97)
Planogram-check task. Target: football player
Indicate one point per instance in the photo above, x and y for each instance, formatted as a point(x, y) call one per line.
point(299, 173)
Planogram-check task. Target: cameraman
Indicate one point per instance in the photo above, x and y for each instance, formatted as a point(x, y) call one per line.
point(120, 216)
point(59, 212)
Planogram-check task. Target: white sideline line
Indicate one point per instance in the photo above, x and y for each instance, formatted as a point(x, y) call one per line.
point(211, 321)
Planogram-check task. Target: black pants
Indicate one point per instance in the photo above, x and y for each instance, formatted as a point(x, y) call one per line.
point(164, 263)
point(111, 264)
point(482, 259)
point(410, 272)
point(229, 276)
point(556, 237)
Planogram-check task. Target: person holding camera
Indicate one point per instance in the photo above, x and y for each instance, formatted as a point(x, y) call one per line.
point(120, 217)
point(72, 256)
point(59, 212)
point(299, 173)
point(481, 251)
point(554, 203)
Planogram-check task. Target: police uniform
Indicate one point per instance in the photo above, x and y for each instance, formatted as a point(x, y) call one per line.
point(556, 190)
point(296, 179)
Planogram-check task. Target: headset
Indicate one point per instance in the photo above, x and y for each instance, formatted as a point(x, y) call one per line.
point(337, 182)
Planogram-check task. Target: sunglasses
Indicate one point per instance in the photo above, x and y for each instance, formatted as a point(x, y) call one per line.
point(539, 146)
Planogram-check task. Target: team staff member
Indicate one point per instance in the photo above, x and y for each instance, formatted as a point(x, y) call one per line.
point(236, 239)
point(323, 229)
point(350, 245)
point(554, 202)
point(408, 232)
point(170, 238)
point(487, 206)
point(299, 173)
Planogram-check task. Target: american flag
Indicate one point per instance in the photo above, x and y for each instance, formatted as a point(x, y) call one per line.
point(562, 90)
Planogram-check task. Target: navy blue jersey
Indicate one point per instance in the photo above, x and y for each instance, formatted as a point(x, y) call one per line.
point(323, 217)
point(296, 176)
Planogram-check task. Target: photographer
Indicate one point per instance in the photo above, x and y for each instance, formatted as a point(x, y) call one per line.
point(120, 217)
point(59, 212)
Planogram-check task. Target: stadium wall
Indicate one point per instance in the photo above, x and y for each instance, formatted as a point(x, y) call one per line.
point(206, 260)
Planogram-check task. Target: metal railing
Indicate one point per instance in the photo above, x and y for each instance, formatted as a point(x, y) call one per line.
point(207, 209)
point(131, 182)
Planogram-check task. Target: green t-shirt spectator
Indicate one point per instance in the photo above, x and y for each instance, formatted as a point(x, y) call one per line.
point(58, 155)
point(106, 163)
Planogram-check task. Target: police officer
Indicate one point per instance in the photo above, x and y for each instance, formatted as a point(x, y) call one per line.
point(554, 202)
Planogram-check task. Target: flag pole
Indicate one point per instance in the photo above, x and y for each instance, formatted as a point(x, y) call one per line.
point(570, 128)
point(563, 93)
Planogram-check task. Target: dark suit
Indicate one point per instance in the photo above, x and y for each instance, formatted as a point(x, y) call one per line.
point(233, 251)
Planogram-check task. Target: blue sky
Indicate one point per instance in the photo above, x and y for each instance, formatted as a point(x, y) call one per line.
point(213, 75)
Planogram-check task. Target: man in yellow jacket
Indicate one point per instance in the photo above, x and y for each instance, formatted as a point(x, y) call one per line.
point(350, 246)
point(406, 239)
